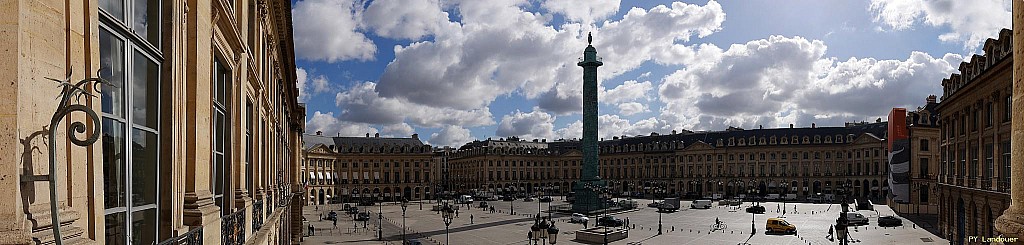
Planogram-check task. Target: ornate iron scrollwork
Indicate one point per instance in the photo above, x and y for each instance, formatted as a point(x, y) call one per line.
point(76, 91)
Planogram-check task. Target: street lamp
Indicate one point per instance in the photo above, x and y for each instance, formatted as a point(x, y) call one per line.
point(553, 233)
point(447, 215)
point(405, 204)
point(380, 221)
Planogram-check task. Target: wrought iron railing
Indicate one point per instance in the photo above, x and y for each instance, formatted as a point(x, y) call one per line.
point(270, 204)
point(192, 237)
point(232, 228)
point(257, 215)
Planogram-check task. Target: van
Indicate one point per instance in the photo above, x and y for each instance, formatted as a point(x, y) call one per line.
point(716, 196)
point(772, 197)
point(704, 204)
point(778, 225)
point(464, 199)
point(856, 218)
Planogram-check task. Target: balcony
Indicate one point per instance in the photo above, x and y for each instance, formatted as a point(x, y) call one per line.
point(232, 228)
point(257, 214)
point(192, 237)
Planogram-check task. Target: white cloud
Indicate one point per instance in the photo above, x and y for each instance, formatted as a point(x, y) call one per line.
point(573, 130)
point(536, 124)
point(628, 91)
point(300, 82)
point(970, 22)
point(327, 30)
point(399, 130)
point(585, 11)
point(319, 84)
point(405, 19)
point(612, 125)
point(451, 135)
point(362, 104)
point(630, 108)
point(782, 80)
point(331, 126)
point(500, 48)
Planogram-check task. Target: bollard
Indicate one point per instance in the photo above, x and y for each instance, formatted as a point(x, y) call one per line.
point(730, 232)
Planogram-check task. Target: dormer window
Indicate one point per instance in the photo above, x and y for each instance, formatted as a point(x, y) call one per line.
point(817, 139)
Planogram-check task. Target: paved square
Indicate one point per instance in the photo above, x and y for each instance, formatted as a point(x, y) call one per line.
point(687, 226)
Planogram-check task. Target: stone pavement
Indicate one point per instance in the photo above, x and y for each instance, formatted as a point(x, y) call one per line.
point(683, 227)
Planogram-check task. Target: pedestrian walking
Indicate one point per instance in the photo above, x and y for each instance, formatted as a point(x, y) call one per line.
point(778, 208)
point(335, 223)
point(585, 222)
point(311, 229)
point(830, 232)
point(456, 213)
point(470, 218)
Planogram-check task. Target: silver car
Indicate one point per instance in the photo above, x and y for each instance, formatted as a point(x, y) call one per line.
point(856, 218)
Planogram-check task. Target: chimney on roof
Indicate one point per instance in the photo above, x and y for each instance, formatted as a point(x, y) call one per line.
point(878, 120)
point(673, 131)
point(415, 136)
point(376, 135)
point(534, 140)
point(760, 126)
point(813, 125)
point(615, 137)
point(931, 99)
point(319, 132)
point(790, 125)
point(367, 135)
point(544, 140)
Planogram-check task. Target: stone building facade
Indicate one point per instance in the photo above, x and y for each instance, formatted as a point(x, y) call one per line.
point(975, 114)
point(923, 129)
point(198, 138)
point(734, 162)
point(374, 168)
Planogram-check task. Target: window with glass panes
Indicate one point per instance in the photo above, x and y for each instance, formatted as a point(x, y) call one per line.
point(248, 144)
point(1006, 162)
point(987, 175)
point(221, 137)
point(130, 58)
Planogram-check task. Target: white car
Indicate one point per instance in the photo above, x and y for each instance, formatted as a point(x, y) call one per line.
point(578, 218)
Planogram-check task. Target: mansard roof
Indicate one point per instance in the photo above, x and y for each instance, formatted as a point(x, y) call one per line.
point(310, 141)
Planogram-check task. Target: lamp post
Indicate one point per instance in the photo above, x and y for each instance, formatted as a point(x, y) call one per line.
point(842, 223)
point(380, 222)
point(552, 233)
point(446, 215)
point(405, 204)
point(659, 190)
point(784, 190)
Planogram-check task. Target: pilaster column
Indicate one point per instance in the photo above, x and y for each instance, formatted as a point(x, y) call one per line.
point(195, 113)
point(1011, 222)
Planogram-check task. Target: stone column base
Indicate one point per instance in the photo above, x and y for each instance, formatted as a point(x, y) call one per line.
point(1011, 225)
point(199, 210)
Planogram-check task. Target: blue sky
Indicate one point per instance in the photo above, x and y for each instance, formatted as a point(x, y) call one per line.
point(468, 70)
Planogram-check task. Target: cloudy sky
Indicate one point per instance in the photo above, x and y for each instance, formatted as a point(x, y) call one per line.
point(458, 70)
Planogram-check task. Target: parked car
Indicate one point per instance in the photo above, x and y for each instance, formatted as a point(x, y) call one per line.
point(493, 198)
point(704, 204)
point(609, 221)
point(332, 215)
point(755, 209)
point(528, 199)
point(413, 242)
point(778, 225)
point(578, 218)
point(856, 218)
point(667, 207)
point(508, 198)
point(654, 204)
point(545, 199)
point(816, 198)
point(483, 204)
point(363, 216)
point(889, 221)
point(366, 202)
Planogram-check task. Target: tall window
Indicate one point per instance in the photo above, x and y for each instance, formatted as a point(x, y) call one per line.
point(248, 144)
point(130, 58)
point(924, 168)
point(924, 144)
point(989, 114)
point(220, 176)
point(1006, 163)
point(974, 161)
point(987, 175)
point(924, 194)
point(1007, 112)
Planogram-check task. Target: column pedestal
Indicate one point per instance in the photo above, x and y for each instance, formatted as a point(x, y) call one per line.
point(199, 210)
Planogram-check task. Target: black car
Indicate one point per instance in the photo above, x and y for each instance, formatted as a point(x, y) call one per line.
point(508, 198)
point(755, 209)
point(889, 221)
point(366, 202)
point(483, 204)
point(363, 216)
point(332, 216)
point(545, 199)
point(609, 221)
